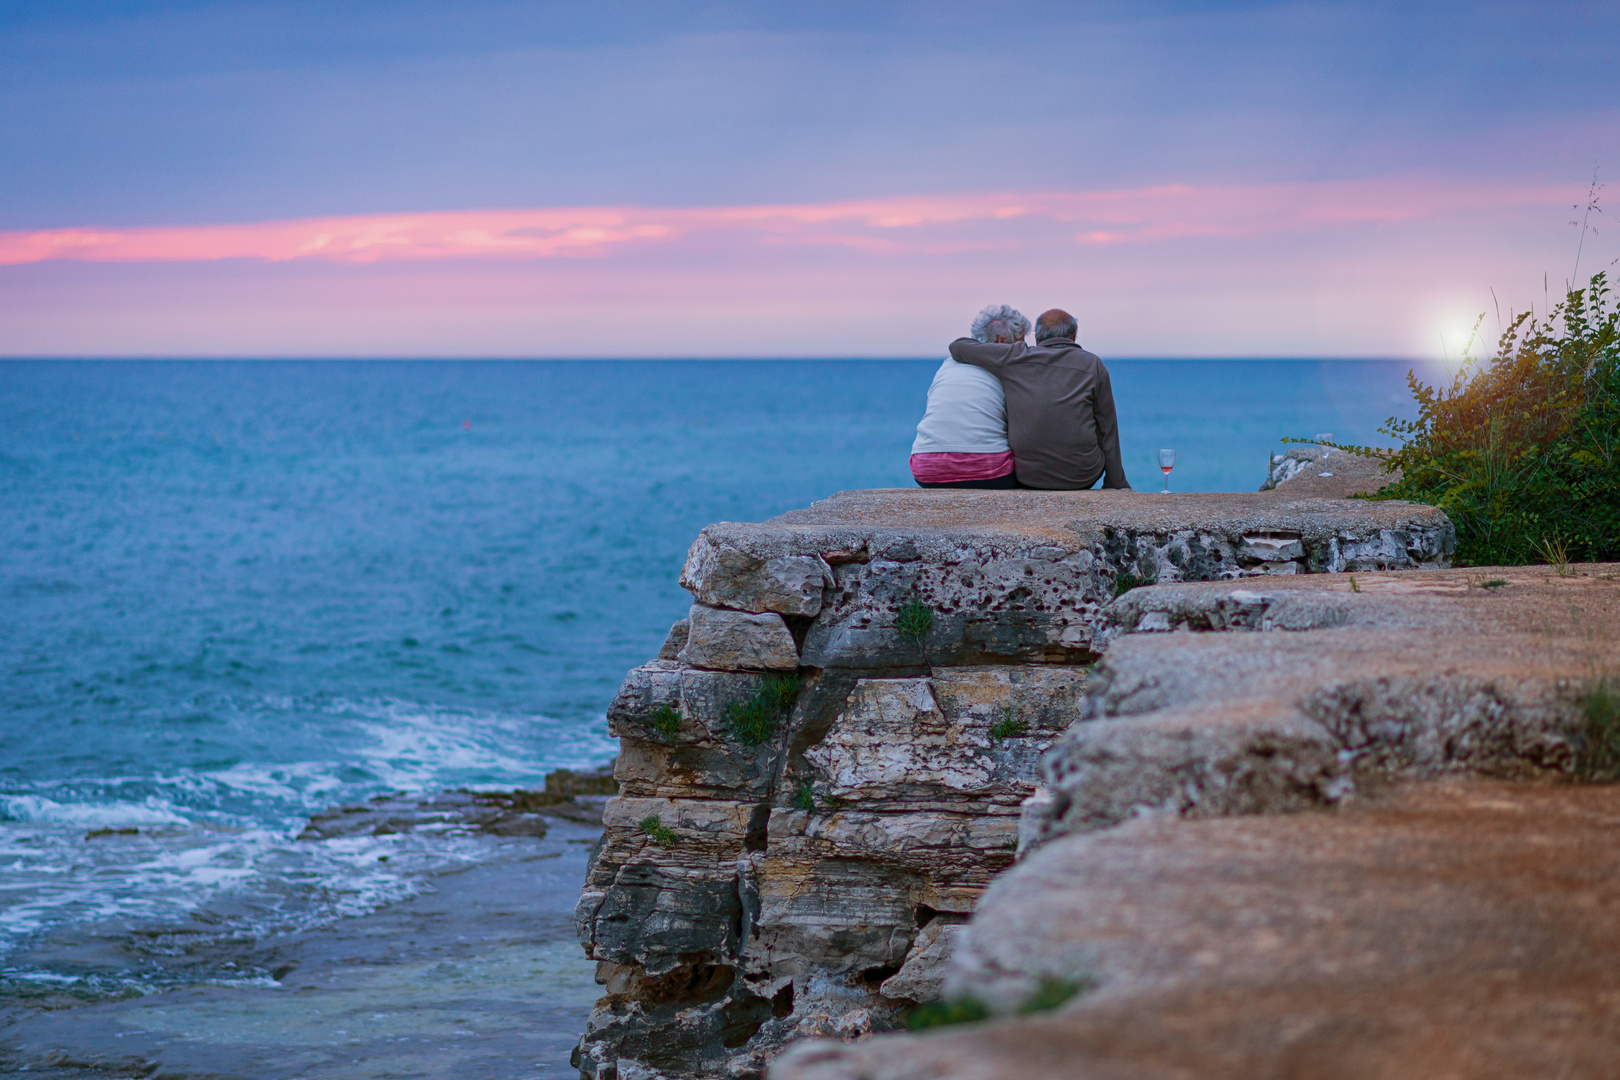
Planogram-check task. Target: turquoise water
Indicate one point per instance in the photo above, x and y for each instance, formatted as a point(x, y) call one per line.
point(236, 593)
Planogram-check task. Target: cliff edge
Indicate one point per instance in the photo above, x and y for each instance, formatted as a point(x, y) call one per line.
point(825, 766)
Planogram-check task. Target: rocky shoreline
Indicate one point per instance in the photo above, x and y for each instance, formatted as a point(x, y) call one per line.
point(826, 765)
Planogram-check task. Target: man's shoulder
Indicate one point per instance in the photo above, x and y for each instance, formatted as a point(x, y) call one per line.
point(1068, 354)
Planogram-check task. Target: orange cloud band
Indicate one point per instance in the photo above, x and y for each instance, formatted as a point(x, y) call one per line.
point(894, 225)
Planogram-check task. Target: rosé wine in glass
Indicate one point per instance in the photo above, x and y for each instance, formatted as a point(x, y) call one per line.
point(1167, 461)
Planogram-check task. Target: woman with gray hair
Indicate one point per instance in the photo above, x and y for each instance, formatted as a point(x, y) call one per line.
point(962, 440)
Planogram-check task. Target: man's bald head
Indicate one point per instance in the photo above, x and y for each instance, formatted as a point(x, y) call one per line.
point(1056, 323)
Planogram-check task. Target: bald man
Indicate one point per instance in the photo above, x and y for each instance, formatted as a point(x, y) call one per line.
point(1060, 406)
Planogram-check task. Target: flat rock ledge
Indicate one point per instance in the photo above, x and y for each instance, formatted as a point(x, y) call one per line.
point(826, 764)
point(1327, 827)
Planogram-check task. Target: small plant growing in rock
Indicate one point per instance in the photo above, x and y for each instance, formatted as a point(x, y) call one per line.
point(780, 691)
point(962, 1010)
point(1124, 583)
point(914, 621)
point(1494, 583)
point(1053, 992)
point(805, 797)
point(1009, 726)
point(1353, 586)
point(1600, 759)
point(1556, 552)
point(752, 721)
point(656, 831)
point(666, 721)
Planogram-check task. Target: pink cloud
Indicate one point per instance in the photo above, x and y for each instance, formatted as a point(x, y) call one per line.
point(878, 227)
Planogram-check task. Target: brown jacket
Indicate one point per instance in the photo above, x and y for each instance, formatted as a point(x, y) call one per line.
point(1060, 411)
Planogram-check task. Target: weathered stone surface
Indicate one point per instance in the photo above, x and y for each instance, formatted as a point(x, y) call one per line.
point(847, 845)
point(1311, 472)
point(931, 741)
point(701, 757)
point(738, 641)
point(1460, 929)
point(1414, 676)
point(664, 905)
point(723, 576)
point(676, 640)
point(922, 977)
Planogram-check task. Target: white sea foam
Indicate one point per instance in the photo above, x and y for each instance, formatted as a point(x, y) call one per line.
point(36, 808)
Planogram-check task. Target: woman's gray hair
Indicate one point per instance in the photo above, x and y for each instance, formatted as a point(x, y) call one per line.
point(999, 321)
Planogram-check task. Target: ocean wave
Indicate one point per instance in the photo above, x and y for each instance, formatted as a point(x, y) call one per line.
point(93, 815)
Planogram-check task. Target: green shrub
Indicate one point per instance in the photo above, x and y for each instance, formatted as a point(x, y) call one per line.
point(914, 621)
point(1600, 758)
point(1522, 450)
point(753, 721)
point(805, 797)
point(657, 831)
point(666, 721)
point(1008, 727)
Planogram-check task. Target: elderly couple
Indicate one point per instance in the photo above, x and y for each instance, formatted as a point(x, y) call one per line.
point(1002, 414)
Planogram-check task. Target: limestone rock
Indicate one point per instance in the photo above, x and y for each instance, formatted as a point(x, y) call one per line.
point(674, 725)
point(676, 640)
point(1459, 929)
point(723, 576)
point(1414, 676)
point(922, 977)
point(808, 880)
point(738, 641)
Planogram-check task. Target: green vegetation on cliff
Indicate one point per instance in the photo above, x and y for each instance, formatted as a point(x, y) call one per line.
point(1522, 450)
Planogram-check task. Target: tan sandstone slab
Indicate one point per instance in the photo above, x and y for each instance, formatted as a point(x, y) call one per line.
point(1464, 929)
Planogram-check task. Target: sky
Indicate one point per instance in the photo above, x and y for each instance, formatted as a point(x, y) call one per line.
point(469, 178)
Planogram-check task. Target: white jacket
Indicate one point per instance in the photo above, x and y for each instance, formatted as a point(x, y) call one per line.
point(967, 413)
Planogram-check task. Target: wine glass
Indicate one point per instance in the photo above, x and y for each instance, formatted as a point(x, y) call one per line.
point(1167, 461)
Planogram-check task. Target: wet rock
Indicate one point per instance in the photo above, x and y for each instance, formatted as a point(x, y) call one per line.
point(517, 813)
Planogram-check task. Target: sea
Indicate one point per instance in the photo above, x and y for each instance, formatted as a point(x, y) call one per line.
point(236, 593)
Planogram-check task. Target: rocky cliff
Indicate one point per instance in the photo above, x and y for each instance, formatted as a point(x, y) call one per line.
point(824, 767)
point(1317, 826)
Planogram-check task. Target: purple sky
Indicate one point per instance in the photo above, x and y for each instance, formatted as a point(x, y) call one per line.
point(530, 179)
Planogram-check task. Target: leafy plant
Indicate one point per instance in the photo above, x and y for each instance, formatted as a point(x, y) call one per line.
point(656, 831)
point(914, 621)
point(1522, 450)
point(1051, 993)
point(1600, 758)
point(1124, 583)
point(752, 721)
point(962, 1010)
point(666, 720)
point(805, 797)
point(1009, 726)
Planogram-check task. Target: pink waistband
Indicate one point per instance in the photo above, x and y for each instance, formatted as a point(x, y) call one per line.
point(948, 468)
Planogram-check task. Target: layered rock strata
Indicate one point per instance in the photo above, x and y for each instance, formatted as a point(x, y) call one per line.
point(824, 767)
point(1315, 826)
